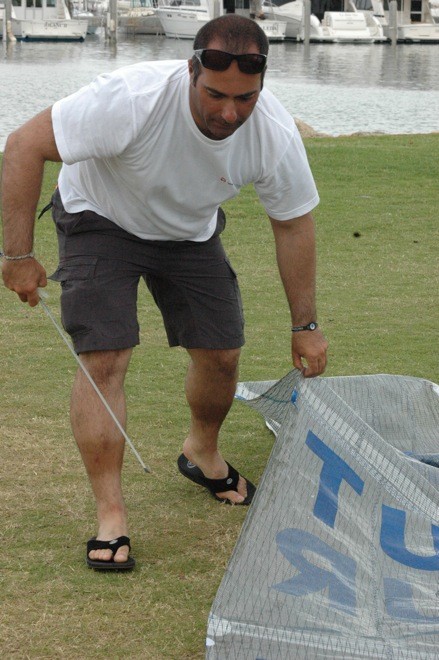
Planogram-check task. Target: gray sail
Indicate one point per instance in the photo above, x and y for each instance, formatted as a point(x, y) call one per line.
point(339, 553)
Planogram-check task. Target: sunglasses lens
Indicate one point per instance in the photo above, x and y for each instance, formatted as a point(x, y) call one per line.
point(218, 60)
point(250, 63)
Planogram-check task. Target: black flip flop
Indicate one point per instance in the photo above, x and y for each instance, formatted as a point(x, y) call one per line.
point(113, 545)
point(214, 486)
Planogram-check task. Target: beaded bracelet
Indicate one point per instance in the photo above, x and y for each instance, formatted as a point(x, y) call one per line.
point(29, 255)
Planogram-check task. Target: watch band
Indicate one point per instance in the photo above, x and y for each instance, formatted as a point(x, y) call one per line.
point(311, 326)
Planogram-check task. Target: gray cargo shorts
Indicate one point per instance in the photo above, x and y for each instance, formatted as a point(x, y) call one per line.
point(100, 266)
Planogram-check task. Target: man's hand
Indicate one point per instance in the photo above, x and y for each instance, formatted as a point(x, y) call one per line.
point(24, 277)
point(309, 346)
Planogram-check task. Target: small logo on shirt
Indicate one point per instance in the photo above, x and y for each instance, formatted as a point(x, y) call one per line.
point(224, 180)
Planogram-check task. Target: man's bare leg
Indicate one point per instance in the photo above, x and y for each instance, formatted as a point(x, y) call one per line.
point(210, 388)
point(101, 443)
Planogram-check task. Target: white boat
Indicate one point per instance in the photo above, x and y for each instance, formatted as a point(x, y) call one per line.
point(291, 13)
point(46, 20)
point(412, 26)
point(183, 18)
point(140, 18)
point(336, 27)
point(418, 33)
point(348, 27)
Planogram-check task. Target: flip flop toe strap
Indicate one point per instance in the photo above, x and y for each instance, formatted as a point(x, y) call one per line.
point(113, 545)
point(222, 485)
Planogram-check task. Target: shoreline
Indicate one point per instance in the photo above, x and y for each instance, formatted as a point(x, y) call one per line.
point(307, 131)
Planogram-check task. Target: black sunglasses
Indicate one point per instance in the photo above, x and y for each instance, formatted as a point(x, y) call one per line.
point(219, 60)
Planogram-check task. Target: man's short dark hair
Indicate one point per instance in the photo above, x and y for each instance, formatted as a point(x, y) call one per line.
point(236, 33)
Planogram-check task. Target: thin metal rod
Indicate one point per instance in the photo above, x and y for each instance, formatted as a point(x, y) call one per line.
point(42, 295)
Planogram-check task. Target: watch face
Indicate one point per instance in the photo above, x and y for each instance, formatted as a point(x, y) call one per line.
point(312, 326)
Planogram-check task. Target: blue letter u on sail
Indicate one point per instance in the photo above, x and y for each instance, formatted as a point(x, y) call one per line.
point(393, 542)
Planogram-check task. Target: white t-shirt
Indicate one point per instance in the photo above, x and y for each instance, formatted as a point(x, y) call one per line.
point(133, 153)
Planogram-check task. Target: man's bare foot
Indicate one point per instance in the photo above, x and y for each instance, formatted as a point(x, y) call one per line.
point(215, 468)
point(109, 555)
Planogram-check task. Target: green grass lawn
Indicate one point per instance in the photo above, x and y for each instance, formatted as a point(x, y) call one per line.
point(377, 295)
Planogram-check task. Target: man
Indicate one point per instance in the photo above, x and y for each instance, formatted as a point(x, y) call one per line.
point(149, 153)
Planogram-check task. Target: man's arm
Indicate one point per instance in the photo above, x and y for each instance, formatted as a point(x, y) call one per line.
point(26, 151)
point(296, 259)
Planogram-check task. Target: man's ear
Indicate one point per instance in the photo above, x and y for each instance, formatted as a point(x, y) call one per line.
point(190, 66)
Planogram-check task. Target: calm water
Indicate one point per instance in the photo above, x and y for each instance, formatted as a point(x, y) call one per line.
point(337, 89)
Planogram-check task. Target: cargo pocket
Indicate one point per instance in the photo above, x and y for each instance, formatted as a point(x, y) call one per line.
point(237, 291)
point(76, 269)
point(78, 293)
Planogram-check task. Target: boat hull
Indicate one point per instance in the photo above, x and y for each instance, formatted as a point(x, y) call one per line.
point(420, 33)
point(346, 27)
point(51, 29)
point(181, 24)
point(274, 30)
point(336, 27)
point(291, 14)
